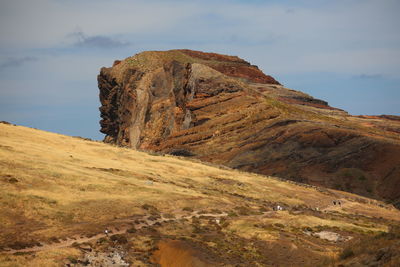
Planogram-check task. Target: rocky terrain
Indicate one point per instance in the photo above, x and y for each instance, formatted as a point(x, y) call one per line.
point(222, 109)
point(59, 194)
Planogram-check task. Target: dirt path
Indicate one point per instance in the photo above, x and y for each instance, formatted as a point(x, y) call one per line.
point(78, 239)
point(144, 221)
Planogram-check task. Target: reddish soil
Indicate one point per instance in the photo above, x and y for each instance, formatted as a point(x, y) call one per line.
point(174, 253)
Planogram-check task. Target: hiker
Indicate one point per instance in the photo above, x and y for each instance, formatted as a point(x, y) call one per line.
point(106, 232)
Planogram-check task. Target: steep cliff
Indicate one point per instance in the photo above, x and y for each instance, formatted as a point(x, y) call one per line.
point(223, 110)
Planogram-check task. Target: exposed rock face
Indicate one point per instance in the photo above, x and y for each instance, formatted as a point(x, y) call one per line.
point(223, 110)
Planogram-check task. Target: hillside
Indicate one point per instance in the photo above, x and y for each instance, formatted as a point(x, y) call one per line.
point(222, 109)
point(60, 193)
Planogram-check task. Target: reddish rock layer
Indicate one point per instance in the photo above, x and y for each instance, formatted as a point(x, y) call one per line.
point(223, 110)
point(233, 66)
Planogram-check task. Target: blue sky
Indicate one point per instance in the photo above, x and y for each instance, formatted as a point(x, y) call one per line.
point(345, 52)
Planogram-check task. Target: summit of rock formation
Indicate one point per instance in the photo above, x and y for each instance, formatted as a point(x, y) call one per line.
point(222, 109)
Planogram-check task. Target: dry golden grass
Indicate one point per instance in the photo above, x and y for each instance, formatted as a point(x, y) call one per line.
point(51, 258)
point(55, 186)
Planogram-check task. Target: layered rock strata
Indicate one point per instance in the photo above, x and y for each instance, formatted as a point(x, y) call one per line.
point(223, 110)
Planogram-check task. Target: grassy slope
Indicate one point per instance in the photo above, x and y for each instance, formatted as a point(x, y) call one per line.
point(55, 186)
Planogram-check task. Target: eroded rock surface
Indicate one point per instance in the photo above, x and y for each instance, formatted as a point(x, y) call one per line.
point(223, 110)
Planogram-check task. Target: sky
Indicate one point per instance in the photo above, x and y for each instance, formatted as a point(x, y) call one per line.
point(346, 52)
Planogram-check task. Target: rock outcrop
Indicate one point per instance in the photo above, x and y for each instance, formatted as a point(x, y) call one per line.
point(223, 110)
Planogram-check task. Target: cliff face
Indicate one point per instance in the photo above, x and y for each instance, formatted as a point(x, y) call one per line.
point(223, 110)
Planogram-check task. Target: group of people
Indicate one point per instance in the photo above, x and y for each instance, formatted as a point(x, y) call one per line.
point(337, 202)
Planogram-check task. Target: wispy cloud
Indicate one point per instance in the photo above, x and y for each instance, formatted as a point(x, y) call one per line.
point(369, 76)
point(16, 62)
point(96, 41)
point(289, 38)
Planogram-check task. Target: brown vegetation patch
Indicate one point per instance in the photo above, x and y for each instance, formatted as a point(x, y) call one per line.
point(174, 253)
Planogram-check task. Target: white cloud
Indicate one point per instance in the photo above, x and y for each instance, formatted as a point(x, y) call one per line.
point(357, 38)
point(340, 36)
point(45, 23)
point(11, 62)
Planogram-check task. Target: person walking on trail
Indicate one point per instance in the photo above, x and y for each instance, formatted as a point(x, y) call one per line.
point(106, 232)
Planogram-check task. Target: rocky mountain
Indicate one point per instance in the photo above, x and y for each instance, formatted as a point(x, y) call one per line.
point(222, 109)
